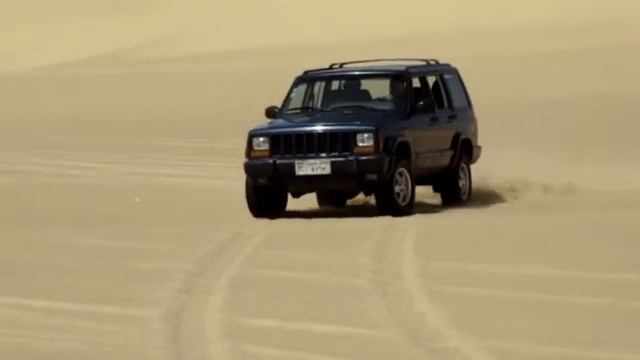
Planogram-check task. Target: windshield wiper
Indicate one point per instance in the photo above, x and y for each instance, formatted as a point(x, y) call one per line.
point(355, 107)
point(304, 109)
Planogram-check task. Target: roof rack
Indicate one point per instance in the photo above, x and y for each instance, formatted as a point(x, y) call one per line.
point(342, 64)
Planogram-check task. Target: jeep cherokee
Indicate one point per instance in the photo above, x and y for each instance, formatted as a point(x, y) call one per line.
point(365, 127)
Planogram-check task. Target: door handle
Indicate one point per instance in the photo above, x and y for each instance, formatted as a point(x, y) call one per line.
point(452, 116)
point(434, 119)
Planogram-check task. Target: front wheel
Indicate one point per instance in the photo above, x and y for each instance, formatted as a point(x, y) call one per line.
point(265, 201)
point(397, 195)
point(456, 186)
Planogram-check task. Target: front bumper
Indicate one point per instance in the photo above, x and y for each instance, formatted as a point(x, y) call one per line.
point(351, 173)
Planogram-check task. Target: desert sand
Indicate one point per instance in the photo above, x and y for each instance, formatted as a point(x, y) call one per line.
point(124, 232)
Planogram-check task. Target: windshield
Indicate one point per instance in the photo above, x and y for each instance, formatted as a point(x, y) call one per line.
point(347, 93)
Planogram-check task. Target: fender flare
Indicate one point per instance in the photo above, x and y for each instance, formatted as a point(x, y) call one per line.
point(391, 149)
point(456, 144)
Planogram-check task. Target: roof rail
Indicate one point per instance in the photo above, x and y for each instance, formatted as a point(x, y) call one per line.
point(313, 70)
point(342, 64)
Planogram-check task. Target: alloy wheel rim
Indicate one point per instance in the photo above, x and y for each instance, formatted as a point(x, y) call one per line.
point(402, 189)
point(464, 181)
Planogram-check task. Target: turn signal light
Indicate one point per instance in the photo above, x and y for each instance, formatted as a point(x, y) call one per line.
point(259, 153)
point(364, 150)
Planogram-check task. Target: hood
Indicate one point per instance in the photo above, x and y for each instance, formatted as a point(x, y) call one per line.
point(365, 119)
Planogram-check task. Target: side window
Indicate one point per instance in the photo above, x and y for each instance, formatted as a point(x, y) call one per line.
point(421, 91)
point(418, 93)
point(438, 91)
point(456, 89)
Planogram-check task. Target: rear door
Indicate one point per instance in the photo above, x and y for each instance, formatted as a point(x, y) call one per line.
point(424, 139)
point(442, 126)
point(461, 118)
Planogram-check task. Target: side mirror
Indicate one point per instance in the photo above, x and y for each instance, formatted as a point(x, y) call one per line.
point(272, 112)
point(426, 106)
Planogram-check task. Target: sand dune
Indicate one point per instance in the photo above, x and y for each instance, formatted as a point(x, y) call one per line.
point(40, 32)
point(123, 226)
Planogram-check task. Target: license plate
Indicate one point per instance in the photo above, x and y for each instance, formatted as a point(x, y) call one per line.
point(313, 167)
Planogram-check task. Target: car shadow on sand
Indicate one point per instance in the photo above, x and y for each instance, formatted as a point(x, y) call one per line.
point(482, 198)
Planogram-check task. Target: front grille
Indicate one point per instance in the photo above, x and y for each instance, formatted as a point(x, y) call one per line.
point(312, 144)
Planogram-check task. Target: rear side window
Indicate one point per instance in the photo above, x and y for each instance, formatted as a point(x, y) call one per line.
point(456, 91)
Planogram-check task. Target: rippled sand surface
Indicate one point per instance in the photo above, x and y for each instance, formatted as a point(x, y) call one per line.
point(124, 232)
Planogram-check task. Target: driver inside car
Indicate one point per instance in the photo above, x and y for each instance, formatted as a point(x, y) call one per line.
point(398, 91)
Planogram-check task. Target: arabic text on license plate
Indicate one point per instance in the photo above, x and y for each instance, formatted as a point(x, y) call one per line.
point(313, 167)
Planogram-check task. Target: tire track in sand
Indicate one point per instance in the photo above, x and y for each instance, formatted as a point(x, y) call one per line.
point(424, 326)
point(275, 333)
point(196, 320)
point(381, 277)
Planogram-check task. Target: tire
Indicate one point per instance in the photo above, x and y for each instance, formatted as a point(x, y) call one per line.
point(331, 199)
point(397, 195)
point(267, 202)
point(456, 186)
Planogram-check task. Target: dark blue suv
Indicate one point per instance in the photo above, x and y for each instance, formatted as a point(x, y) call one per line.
point(365, 127)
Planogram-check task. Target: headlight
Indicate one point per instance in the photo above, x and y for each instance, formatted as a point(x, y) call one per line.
point(260, 143)
point(365, 139)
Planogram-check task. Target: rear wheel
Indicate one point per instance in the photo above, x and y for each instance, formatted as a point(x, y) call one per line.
point(331, 199)
point(396, 196)
point(265, 201)
point(456, 186)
